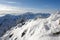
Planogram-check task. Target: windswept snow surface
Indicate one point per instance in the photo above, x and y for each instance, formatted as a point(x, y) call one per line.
point(9, 21)
point(36, 29)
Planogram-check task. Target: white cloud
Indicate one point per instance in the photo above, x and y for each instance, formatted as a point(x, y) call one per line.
point(11, 9)
point(11, 2)
point(7, 1)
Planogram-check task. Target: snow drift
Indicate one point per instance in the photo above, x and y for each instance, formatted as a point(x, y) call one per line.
point(37, 28)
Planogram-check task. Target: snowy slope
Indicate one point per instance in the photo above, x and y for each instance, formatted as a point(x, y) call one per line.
point(36, 29)
point(8, 21)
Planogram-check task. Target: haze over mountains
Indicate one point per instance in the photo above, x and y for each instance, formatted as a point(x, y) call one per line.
point(29, 19)
point(8, 21)
point(30, 26)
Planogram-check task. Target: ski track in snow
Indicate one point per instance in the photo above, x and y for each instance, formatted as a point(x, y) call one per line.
point(39, 29)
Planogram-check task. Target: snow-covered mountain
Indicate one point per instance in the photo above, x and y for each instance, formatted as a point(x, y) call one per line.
point(30, 26)
point(8, 21)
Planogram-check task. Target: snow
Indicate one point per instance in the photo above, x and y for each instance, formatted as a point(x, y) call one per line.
point(36, 29)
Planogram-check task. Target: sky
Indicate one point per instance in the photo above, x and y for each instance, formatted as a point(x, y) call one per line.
point(20, 6)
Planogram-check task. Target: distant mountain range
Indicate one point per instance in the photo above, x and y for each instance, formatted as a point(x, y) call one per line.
point(8, 21)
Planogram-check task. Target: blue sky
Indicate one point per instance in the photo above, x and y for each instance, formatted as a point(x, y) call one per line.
point(33, 4)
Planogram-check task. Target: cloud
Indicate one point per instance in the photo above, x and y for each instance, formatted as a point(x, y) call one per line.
point(8, 9)
point(11, 2)
point(4, 9)
point(7, 1)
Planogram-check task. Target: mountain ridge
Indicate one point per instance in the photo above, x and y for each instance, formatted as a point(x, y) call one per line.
point(8, 21)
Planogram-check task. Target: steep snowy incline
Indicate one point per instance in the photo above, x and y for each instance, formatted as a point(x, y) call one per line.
point(39, 29)
point(9, 21)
